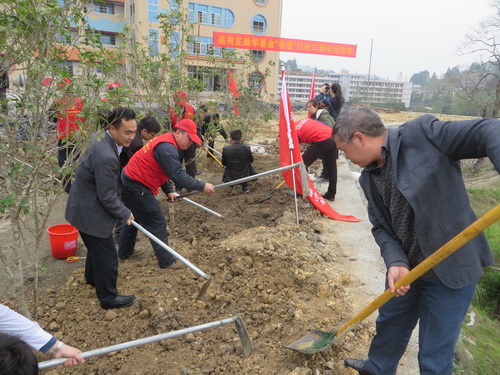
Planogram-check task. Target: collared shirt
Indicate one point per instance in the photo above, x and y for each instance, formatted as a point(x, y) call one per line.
point(118, 147)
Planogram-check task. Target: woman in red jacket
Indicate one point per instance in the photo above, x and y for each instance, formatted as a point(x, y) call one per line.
point(319, 136)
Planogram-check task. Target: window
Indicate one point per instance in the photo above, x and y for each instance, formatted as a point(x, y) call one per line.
point(132, 11)
point(257, 55)
point(153, 10)
point(258, 24)
point(256, 81)
point(102, 7)
point(109, 39)
point(260, 3)
point(204, 46)
point(174, 44)
point(67, 66)
point(153, 42)
point(210, 15)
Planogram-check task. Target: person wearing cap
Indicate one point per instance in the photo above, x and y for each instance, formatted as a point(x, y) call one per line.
point(182, 110)
point(155, 166)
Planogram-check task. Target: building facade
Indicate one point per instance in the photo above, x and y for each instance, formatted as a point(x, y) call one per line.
point(354, 86)
point(253, 17)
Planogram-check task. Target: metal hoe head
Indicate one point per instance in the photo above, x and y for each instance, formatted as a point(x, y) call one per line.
point(314, 342)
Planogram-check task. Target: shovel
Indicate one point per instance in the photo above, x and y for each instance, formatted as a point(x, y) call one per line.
point(246, 343)
point(317, 341)
point(179, 257)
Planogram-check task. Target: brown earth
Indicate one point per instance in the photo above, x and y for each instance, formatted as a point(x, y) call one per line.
point(280, 278)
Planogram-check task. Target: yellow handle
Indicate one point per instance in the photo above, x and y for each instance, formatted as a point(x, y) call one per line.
point(212, 155)
point(439, 255)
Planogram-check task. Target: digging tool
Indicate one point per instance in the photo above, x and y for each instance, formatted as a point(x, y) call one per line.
point(271, 193)
point(179, 257)
point(317, 341)
point(300, 165)
point(213, 150)
point(250, 144)
point(246, 343)
point(200, 206)
point(213, 156)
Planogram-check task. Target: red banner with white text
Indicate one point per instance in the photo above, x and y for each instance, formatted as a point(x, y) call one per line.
point(271, 43)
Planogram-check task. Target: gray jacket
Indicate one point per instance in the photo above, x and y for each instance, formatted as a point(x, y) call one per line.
point(426, 157)
point(93, 203)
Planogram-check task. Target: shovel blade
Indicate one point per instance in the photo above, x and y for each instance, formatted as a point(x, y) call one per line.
point(246, 343)
point(314, 342)
point(204, 288)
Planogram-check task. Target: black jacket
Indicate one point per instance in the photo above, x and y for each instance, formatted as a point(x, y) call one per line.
point(237, 158)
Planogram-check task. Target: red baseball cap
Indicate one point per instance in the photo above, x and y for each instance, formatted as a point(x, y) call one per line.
point(114, 85)
point(189, 126)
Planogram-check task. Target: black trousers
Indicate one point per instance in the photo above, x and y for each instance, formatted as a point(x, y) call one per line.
point(101, 266)
point(327, 150)
point(64, 152)
point(147, 212)
point(188, 157)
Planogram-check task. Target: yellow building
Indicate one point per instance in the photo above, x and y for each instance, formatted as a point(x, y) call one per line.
point(253, 17)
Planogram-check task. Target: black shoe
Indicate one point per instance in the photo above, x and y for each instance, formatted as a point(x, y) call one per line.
point(357, 365)
point(120, 301)
point(329, 196)
point(246, 190)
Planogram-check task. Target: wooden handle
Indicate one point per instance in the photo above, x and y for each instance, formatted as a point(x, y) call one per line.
point(439, 255)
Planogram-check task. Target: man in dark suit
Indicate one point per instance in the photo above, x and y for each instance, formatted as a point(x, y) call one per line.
point(237, 158)
point(94, 206)
point(417, 201)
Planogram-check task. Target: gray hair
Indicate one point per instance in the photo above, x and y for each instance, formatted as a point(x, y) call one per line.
point(358, 119)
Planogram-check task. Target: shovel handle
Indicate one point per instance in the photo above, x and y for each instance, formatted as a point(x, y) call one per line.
point(439, 255)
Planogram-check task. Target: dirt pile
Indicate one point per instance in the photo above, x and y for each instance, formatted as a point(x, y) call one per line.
point(282, 280)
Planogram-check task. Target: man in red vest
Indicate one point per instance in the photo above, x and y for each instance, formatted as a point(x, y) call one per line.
point(154, 166)
point(182, 110)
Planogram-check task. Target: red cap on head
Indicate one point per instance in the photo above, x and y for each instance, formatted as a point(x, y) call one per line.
point(47, 81)
point(180, 97)
point(189, 126)
point(114, 85)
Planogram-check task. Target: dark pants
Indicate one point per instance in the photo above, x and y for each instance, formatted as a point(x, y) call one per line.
point(327, 150)
point(440, 312)
point(101, 266)
point(147, 212)
point(66, 151)
point(188, 157)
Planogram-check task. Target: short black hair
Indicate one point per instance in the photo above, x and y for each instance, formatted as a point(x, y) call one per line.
point(116, 116)
point(16, 357)
point(236, 135)
point(149, 123)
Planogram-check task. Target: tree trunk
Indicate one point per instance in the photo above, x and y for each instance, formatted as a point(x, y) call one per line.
point(478, 165)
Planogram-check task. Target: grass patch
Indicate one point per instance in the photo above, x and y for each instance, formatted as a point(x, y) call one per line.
point(478, 350)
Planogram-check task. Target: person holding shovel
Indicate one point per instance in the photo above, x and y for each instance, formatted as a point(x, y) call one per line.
point(154, 167)
point(417, 201)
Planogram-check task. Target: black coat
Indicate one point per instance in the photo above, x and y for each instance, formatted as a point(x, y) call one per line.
point(237, 158)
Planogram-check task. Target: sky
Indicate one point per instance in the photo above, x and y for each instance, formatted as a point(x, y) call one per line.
point(409, 36)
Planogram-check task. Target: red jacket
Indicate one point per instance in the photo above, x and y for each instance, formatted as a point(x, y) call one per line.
point(309, 131)
point(144, 168)
point(68, 118)
point(186, 113)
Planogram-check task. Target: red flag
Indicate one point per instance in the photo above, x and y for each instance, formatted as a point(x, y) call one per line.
point(290, 150)
point(233, 88)
point(312, 90)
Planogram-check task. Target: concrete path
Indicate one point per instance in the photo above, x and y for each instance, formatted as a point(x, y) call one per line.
point(363, 253)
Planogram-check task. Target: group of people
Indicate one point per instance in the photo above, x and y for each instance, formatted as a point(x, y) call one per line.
point(411, 178)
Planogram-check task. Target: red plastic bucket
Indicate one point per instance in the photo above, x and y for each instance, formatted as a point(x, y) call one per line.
point(63, 240)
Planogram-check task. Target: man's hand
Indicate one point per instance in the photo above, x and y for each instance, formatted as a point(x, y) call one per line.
point(208, 188)
point(129, 220)
point(172, 197)
point(73, 355)
point(393, 275)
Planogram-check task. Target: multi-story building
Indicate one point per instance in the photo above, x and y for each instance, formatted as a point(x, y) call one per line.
point(354, 86)
point(254, 17)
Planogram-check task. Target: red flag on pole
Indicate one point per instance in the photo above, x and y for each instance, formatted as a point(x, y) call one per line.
point(289, 148)
point(312, 91)
point(233, 88)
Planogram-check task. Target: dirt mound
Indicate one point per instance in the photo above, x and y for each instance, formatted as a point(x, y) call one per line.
point(282, 280)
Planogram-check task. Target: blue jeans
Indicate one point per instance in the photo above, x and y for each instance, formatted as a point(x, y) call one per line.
point(147, 212)
point(441, 311)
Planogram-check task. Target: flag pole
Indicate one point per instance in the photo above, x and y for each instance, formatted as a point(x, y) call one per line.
point(284, 97)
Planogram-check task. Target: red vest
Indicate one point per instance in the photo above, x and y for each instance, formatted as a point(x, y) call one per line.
point(309, 131)
point(68, 118)
point(187, 113)
point(144, 168)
